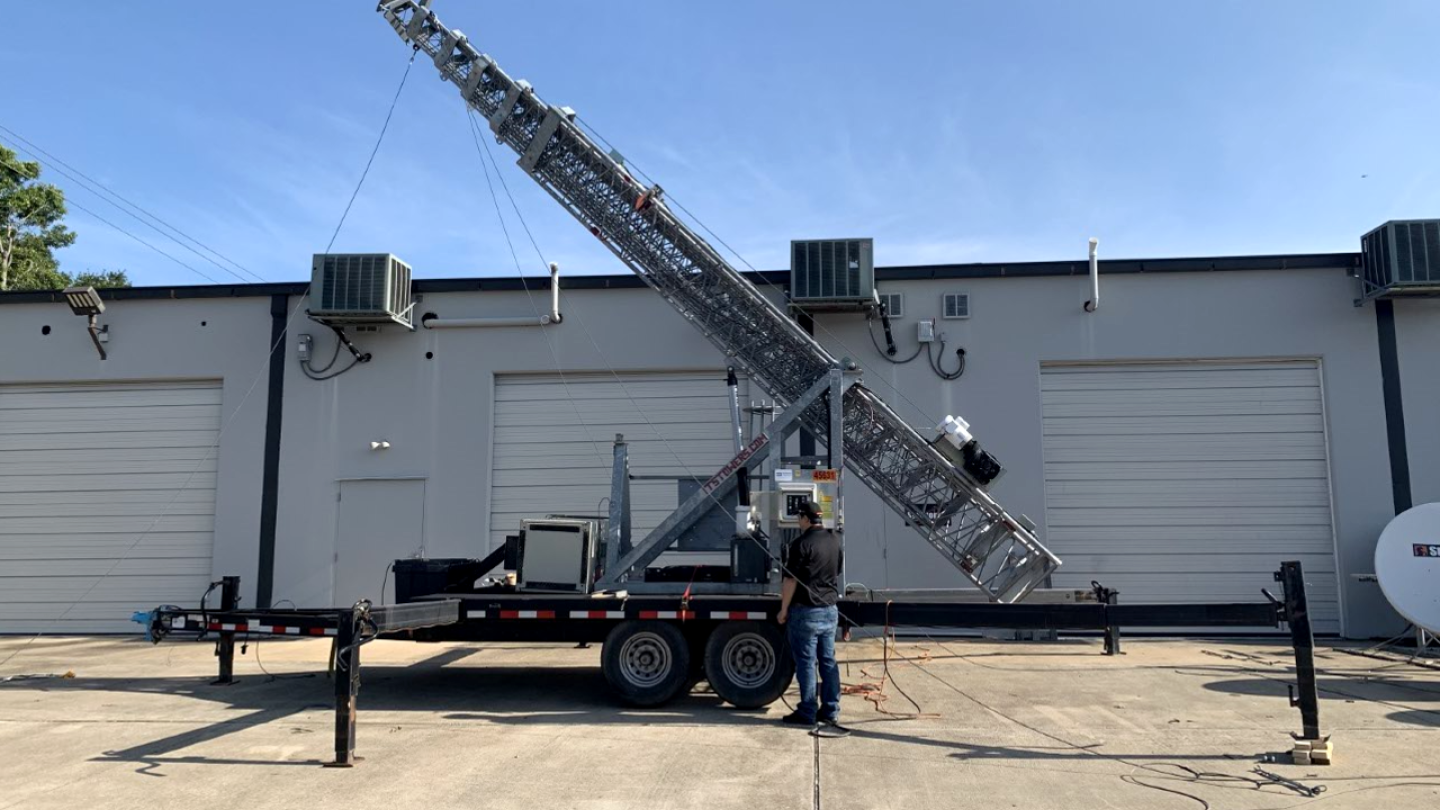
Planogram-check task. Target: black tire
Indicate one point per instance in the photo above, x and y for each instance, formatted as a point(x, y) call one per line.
point(647, 663)
point(748, 664)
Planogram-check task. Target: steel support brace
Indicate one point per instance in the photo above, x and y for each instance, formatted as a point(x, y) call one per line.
point(225, 647)
point(617, 532)
point(347, 687)
point(1297, 615)
point(719, 485)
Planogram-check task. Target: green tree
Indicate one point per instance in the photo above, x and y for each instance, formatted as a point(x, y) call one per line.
point(30, 227)
point(104, 278)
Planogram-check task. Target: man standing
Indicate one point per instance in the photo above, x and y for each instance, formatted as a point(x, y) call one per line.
point(809, 591)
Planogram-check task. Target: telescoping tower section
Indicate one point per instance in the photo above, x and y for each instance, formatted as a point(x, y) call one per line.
point(937, 488)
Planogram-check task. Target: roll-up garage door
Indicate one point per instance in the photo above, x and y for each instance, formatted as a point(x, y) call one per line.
point(107, 501)
point(554, 440)
point(1189, 482)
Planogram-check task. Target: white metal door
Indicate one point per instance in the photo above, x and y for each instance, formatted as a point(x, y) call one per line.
point(107, 501)
point(1189, 482)
point(554, 440)
point(381, 520)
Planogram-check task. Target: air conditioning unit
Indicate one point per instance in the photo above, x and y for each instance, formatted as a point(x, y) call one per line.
point(833, 273)
point(360, 288)
point(1400, 258)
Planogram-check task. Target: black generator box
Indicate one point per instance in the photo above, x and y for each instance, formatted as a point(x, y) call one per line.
point(749, 560)
point(419, 577)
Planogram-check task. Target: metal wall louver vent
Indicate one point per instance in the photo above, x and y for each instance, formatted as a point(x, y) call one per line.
point(894, 304)
point(1400, 258)
point(956, 305)
point(839, 272)
point(360, 288)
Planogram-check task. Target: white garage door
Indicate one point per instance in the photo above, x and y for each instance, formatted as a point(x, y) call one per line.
point(107, 502)
point(1189, 482)
point(554, 442)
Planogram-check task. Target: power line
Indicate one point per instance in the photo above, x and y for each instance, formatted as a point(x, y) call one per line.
point(366, 173)
point(211, 279)
point(105, 190)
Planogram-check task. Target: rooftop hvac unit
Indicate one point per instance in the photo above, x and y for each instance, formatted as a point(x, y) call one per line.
point(1400, 258)
point(833, 273)
point(360, 288)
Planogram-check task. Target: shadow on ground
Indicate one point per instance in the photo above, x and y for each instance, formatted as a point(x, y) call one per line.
point(513, 695)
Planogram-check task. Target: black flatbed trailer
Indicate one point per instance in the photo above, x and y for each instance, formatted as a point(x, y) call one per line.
point(737, 645)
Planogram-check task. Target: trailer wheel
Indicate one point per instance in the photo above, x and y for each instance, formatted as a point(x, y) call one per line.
point(748, 663)
point(646, 662)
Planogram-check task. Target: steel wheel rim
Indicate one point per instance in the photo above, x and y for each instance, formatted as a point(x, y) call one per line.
point(645, 659)
point(748, 660)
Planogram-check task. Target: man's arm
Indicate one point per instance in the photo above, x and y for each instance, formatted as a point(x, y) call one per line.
point(787, 593)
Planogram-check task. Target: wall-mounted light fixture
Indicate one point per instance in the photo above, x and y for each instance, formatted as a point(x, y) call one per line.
point(86, 301)
point(380, 445)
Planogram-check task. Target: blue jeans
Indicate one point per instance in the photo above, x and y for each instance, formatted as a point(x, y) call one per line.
point(811, 632)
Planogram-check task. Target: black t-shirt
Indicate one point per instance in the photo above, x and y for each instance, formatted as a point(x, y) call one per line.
point(814, 560)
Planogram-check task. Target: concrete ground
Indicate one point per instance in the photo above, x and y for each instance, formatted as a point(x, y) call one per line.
point(502, 726)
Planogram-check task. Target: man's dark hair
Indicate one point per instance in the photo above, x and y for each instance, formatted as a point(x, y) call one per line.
point(810, 510)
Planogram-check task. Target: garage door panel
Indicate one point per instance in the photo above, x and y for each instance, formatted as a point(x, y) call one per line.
point(107, 501)
point(96, 423)
point(142, 591)
point(593, 386)
point(701, 456)
point(89, 482)
point(1119, 493)
point(1157, 378)
point(545, 461)
point(1166, 516)
point(1136, 588)
point(1185, 470)
point(87, 441)
point(80, 397)
point(1189, 482)
point(658, 411)
point(1184, 448)
point(1190, 561)
point(128, 566)
point(103, 547)
point(1112, 425)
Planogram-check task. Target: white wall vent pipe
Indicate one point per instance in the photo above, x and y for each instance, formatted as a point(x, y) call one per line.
point(1094, 302)
point(432, 321)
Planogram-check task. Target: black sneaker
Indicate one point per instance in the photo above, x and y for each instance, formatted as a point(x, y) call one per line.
point(830, 729)
point(795, 718)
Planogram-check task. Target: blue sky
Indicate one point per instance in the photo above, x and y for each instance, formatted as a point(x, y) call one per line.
point(948, 131)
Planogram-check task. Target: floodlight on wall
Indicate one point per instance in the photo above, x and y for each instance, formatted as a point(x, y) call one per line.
point(85, 301)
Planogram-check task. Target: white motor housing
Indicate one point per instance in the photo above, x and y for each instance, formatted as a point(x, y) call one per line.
point(956, 431)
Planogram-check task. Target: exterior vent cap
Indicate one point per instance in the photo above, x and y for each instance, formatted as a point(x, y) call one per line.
point(955, 306)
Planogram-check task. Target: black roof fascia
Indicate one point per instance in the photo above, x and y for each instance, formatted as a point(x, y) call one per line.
point(1308, 261)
